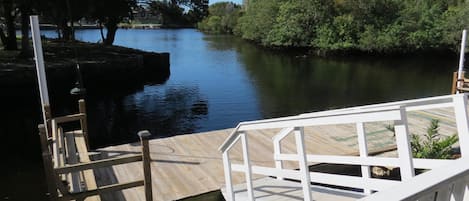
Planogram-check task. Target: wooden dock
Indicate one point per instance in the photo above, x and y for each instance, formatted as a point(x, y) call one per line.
point(270, 189)
point(189, 165)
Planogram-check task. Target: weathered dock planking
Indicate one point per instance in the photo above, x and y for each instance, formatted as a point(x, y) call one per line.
point(188, 165)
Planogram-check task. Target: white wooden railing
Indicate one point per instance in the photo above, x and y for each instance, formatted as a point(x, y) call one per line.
point(394, 111)
point(446, 183)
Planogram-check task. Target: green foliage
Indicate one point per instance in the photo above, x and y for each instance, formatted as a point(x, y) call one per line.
point(173, 12)
point(296, 23)
point(432, 145)
point(258, 20)
point(381, 26)
point(223, 17)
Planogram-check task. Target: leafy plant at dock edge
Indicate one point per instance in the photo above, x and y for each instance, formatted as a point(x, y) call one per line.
point(431, 145)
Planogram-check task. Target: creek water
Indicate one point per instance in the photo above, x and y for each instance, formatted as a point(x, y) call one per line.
point(215, 82)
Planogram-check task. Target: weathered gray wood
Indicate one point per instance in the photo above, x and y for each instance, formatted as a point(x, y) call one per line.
point(144, 137)
point(69, 118)
point(47, 161)
point(88, 175)
point(71, 154)
point(101, 190)
point(83, 121)
point(98, 164)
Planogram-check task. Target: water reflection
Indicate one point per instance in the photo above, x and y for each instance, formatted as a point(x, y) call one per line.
point(289, 84)
point(164, 111)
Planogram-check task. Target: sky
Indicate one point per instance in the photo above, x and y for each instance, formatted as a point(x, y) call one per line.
point(235, 1)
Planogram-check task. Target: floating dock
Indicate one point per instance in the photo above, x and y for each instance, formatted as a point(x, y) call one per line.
point(188, 165)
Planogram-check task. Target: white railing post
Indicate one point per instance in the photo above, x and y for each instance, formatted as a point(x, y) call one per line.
point(403, 147)
point(461, 60)
point(277, 152)
point(228, 177)
point(460, 113)
point(304, 169)
point(41, 72)
point(363, 148)
point(247, 166)
point(278, 148)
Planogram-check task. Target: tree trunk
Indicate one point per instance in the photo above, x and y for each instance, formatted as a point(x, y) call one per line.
point(101, 31)
point(25, 46)
point(10, 24)
point(67, 31)
point(111, 26)
point(66, 35)
point(3, 38)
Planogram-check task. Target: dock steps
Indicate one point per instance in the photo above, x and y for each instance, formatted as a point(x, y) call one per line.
point(70, 170)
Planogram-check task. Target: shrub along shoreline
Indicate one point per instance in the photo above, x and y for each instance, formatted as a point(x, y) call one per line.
point(343, 27)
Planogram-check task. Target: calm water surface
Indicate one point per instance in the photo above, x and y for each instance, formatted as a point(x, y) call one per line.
point(215, 82)
point(218, 81)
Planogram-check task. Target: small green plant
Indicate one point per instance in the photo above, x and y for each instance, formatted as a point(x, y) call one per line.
point(432, 144)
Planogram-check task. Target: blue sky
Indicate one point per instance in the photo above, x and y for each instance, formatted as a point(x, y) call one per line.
point(235, 1)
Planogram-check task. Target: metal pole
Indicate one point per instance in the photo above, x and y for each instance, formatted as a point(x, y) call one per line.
point(461, 59)
point(41, 72)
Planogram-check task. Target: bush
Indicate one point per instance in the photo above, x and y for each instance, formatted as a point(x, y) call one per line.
point(381, 26)
point(432, 145)
point(222, 18)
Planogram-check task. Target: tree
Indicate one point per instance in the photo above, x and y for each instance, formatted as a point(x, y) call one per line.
point(297, 22)
point(222, 18)
point(171, 13)
point(64, 13)
point(25, 9)
point(180, 13)
point(9, 39)
point(110, 13)
point(373, 26)
point(198, 9)
point(258, 20)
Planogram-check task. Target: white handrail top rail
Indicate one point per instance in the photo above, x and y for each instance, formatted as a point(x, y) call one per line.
point(240, 126)
point(424, 183)
point(409, 104)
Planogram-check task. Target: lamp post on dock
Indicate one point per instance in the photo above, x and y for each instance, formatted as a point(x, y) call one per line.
point(79, 89)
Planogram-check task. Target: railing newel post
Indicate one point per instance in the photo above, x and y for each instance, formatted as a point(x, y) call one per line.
point(247, 165)
point(228, 176)
point(304, 169)
point(278, 151)
point(462, 120)
point(146, 160)
point(363, 149)
point(403, 146)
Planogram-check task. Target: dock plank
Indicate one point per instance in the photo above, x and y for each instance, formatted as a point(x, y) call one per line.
point(188, 165)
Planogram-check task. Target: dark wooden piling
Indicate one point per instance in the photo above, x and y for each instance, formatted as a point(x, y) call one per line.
point(144, 137)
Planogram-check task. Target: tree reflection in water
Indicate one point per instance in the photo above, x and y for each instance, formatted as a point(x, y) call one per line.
point(165, 111)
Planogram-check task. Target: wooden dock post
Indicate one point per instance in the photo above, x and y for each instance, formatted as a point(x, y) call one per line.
point(454, 84)
point(83, 123)
point(47, 161)
point(144, 137)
